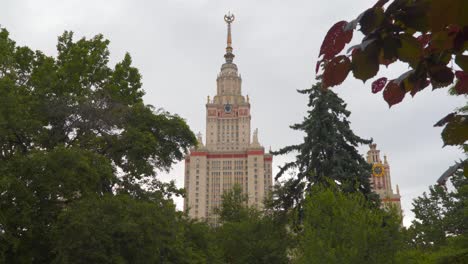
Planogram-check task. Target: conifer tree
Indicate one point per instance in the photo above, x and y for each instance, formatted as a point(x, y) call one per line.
point(328, 152)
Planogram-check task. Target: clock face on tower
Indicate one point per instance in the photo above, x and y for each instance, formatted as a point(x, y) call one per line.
point(377, 170)
point(227, 108)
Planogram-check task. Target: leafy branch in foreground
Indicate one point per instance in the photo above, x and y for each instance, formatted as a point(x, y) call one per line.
point(430, 36)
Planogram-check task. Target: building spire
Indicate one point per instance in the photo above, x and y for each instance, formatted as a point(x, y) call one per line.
point(229, 18)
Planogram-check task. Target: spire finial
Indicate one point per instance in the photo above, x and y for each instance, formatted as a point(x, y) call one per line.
point(229, 18)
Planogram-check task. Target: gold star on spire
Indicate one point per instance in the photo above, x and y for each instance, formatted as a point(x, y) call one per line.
point(229, 18)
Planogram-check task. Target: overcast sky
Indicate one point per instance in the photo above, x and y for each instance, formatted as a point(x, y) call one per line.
point(178, 46)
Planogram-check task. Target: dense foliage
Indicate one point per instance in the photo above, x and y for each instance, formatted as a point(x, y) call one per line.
point(73, 134)
point(439, 232)
point(246, 235)
point(119, 229)
point(328, 152)
point(345, 228)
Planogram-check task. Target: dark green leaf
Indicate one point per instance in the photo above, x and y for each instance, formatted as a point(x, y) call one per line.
point(414, 16)
point(445, 120)
point(390, 46)
point(410, 50)
point(443, 13)
point(441, 76)
point(456, 131)
point(371, 19)
point(365, 63)
point(441, 41)
point(462, 62)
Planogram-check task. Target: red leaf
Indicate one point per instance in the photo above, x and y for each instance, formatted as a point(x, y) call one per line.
point(460, 39)
point(336, 71)
point(335, 40)
point(453, 29)
point(462, 84)
point(379, 84)
point(460, 74)
point(393, 93)
point(424, 39)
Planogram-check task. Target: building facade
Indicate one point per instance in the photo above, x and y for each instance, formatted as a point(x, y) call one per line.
point(228, 157)
point(381, 181)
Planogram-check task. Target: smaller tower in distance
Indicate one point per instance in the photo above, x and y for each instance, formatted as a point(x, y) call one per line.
point(381, 180)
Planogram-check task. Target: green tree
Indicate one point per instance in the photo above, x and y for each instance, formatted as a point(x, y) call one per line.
point(35, 188)
point(345, 228)
point(328, 151)
point(76, 100)
point(117, 229)
point(246, 235)
point(72, 128)
point(234, 206)
point(121, 229)
point(439, 229)
point(200, 239)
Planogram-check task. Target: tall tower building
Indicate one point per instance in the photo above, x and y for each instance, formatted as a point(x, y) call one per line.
point(381, 180)
point(228, 156)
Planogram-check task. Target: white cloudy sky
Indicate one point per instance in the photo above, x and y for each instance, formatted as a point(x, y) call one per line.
point(178, 45)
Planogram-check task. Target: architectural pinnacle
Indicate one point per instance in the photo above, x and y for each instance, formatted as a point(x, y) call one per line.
point(200, 140)
point(229, 18)
point(255, 142)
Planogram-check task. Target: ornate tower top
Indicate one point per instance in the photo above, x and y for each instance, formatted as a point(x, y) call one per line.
point(229, 18)
point(373, 155)
point(229, 80)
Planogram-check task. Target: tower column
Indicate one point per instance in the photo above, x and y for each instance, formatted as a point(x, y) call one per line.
point(228, 156)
